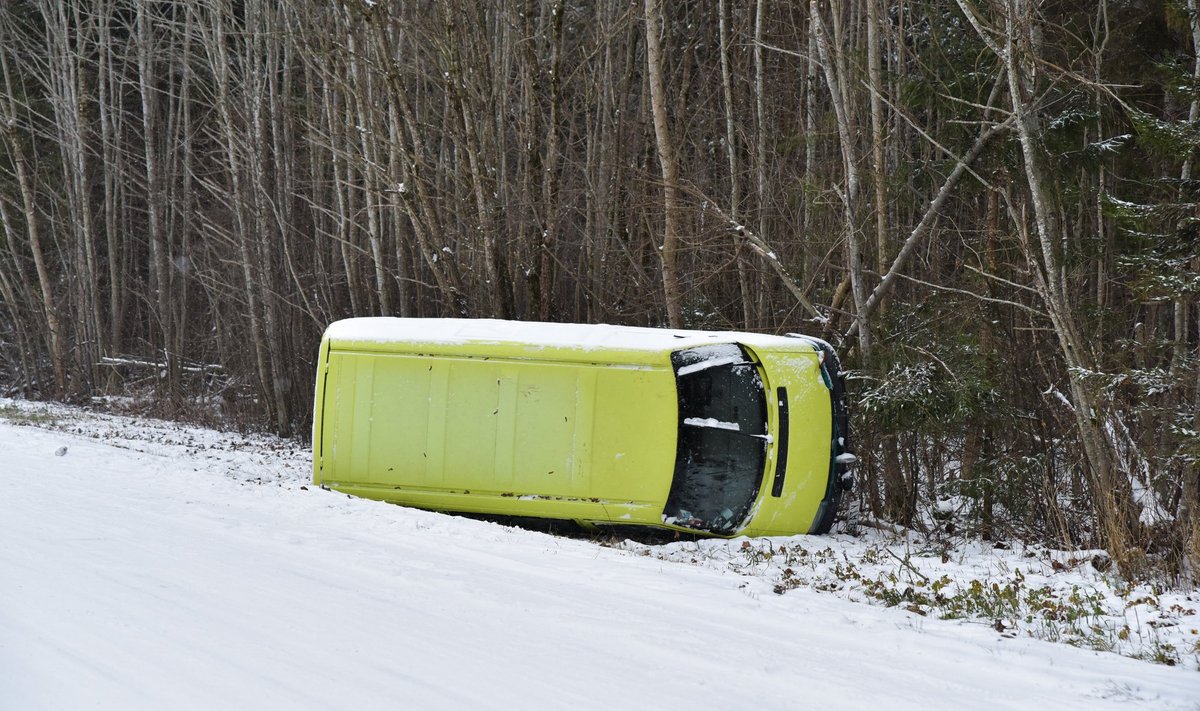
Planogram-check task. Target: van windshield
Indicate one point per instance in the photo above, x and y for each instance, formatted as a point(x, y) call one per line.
point(722, 438)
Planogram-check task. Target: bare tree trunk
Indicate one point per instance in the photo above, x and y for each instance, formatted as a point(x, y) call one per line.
point(1191, 481)
point(465, 73)
point(17, 291)
point(262, 59)
point(735, 179)
point(1116, 511)
point(666, 158)
point(113, 158)
point(810, 117)
point(341, 179)
point(548, 242)
point(833, 63)
point(403, 248)
point(68, 37)
point(156, 195)
point(49, 308)
point(760, 149)
point(368, 141)
point(1190, 512)
point(415, 198)
point(241, 198)
point(1179, 356)
point(879, 176)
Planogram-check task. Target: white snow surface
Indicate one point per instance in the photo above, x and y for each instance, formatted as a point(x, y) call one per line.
point(574, 336)
point(711, 422)
point(154, 566)
point(707, 364)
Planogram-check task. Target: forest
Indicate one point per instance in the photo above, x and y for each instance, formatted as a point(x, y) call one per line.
point(987, 206)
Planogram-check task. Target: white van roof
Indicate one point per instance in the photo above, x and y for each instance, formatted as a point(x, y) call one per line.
point(459, 331)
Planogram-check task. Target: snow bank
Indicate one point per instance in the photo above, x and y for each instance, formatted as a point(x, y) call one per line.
point(153, 566)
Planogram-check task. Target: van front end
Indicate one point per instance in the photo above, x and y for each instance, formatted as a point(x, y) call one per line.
point(762, 439)
point(806, 473)
point(841, 481)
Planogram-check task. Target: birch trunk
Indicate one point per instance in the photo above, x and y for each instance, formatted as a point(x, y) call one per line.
point(1116, 512)
point(833, 66)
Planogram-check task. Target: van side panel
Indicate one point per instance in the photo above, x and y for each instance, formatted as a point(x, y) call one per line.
point(537, 438)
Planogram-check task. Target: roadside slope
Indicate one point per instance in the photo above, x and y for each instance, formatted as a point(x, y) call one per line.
point(170, 578)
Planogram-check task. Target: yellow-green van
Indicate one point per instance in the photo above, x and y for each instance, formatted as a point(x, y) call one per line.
point(716, 433)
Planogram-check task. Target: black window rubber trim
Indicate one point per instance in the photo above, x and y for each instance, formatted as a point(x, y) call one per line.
point(781, 457)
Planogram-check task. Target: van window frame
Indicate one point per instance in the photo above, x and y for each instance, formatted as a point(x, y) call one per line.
point(736, 432)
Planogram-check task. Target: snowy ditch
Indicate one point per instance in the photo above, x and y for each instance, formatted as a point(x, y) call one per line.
point(1071, 597)
point(1010, 591)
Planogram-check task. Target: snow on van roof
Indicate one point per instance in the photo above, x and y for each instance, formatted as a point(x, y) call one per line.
point(460, 331)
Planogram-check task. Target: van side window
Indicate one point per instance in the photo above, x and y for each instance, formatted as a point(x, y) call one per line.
point(722, 438)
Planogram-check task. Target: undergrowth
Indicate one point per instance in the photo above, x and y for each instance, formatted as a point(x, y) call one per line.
point(27, 416)
point(1037, 593)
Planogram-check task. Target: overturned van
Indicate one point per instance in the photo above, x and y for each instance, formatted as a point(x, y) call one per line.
point(716, 433)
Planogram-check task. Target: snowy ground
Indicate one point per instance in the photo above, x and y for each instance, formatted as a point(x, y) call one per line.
point(155, 566)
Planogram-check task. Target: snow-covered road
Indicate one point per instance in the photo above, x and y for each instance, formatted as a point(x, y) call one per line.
point(166, 577)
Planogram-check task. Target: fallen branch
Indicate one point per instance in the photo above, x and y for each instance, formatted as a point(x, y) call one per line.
point(760, 247)
point(927, 220)
point(140, 363)
point(981, 297)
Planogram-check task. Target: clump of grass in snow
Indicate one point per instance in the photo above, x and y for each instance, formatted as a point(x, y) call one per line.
point(26, 416)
